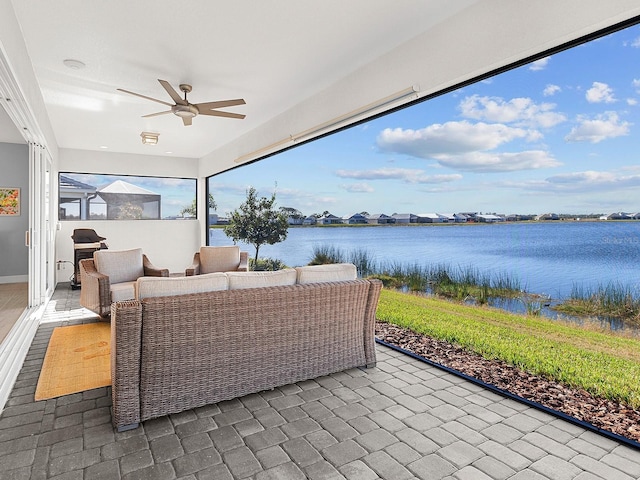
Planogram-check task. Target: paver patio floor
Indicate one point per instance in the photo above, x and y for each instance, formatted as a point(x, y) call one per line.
point(401, 420)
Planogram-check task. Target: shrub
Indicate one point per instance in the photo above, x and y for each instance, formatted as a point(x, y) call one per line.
point(266, 264)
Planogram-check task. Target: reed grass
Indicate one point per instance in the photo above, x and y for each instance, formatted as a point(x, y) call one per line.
point(611, 300)
point(460, 283)
point(605, 365)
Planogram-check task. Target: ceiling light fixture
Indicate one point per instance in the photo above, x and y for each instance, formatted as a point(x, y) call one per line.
point(73, 64)
point(149, 138)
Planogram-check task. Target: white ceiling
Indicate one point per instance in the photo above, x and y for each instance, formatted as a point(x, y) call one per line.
point(273, 53)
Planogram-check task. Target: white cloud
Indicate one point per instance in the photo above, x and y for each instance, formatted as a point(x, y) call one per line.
point(500, 162)
point(358, 188)
point(407, 175)
point(602, 127)
point(588, 176)
point(635, 43)
point(449, 138)
point(520, 111)
point(551, 90)
point(591, 181)
point(632, 102)
point(600, 93)
point(539, 64)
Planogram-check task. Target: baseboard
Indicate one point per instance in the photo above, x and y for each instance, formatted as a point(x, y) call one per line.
point(15, 279)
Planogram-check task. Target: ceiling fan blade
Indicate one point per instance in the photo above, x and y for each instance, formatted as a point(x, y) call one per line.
point(156, 114)
point(218, 113)
point(219, 104)
point(187, 121)
point(144, 96)
point(172, 93)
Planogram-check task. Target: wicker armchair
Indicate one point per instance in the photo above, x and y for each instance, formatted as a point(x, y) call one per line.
point(111, 277)
point(218, 259)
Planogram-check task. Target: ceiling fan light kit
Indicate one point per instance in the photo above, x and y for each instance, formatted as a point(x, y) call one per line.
point(149, 138)
point(185, 110)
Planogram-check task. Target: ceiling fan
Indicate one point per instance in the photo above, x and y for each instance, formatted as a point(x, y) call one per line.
point(185, 110)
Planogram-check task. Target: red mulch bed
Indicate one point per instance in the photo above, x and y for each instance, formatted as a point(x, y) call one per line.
point(604, 414)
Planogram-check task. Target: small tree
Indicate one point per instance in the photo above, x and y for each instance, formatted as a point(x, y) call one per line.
point(257, 222)
point(191, 210)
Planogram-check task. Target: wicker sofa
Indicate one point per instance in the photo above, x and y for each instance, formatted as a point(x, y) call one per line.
point(239, 333)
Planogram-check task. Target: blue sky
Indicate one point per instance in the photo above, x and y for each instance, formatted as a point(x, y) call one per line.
point(559, 135)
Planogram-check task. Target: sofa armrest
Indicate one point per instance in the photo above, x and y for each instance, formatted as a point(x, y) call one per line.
point(126, 341)
point(95, 293)
point(375, 286)
point(194, 268)
point(244, 262)
point(152, 271)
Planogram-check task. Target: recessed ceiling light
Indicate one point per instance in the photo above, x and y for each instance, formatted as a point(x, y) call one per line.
point(73, 64)
point(168, 152)
point(103, 146)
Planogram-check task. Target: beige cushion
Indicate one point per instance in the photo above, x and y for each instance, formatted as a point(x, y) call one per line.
point(335, 272)
point(119, 265)
point(219, 259)
point(123, 291)
point(165, 286)
point(239, 280)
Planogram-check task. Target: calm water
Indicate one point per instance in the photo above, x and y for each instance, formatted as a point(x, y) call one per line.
point(547, 258)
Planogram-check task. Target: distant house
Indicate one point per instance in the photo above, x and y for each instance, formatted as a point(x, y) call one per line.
point(404, 218)
point(489, 218)
point(471, 216)
point(620, 216)
point(295, 220)
point(74, 191)
point(355, 219)
point(380, 219)
point(223, 221)
point(460, 218)
point(516, 217)
point(448, 217)
point(548, 216)
point(329, 219)
point(310, 220)
point(429, 218)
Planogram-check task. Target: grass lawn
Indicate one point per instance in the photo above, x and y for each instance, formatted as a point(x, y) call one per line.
point(603, 364)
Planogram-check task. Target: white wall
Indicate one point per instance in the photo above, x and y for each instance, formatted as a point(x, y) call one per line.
point(168, 243)
point(14, 255)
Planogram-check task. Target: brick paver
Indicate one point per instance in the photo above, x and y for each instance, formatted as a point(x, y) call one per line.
point(402, 419)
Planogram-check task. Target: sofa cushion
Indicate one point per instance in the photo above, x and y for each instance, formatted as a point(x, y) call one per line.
point(219, 259)
point(123, 291)
point(119, 265)
point(334, 272)
point(239, 280)
point(165, 286)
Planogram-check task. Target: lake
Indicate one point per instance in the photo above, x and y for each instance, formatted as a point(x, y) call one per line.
point(547, 258)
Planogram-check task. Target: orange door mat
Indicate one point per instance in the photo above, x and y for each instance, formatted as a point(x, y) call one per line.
point(78, 358)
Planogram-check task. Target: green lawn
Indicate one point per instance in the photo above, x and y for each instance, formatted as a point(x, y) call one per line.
point(605, 365)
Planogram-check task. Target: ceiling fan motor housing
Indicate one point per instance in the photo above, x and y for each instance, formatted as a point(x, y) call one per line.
point(185, 110)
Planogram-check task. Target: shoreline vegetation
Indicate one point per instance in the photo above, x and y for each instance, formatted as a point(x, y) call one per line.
point(469, 285)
